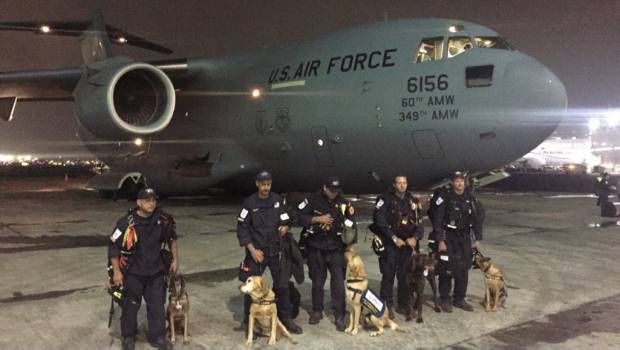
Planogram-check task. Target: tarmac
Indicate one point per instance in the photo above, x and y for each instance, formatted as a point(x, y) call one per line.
point(560, 259)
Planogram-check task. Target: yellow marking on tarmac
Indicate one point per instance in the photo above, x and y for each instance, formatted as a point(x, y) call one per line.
point(288, 84)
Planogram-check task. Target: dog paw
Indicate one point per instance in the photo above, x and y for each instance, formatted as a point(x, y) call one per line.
point(487, 309)
point(185, 341)
point(419, 320)
point(249, 343)
point(271, 342)
point(375, 334)
point(354, 332)
point(173, 340)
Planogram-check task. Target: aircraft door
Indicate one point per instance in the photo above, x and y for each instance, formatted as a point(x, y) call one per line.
point(320, 143)
point(427, 144)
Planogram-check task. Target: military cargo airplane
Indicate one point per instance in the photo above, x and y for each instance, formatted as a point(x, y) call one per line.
point(422, 97)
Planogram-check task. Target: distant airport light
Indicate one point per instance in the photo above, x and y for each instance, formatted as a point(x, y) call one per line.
point(593, 125)
point(138, 142)
point(613, 118)
point(256, 93)
point(45, 29)
point(122, 40)
point(456, 28)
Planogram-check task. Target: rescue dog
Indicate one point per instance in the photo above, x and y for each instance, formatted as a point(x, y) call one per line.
point(494, 284)
point(178, 308)
point(357, 285)
point(420, 268)
point(263, 312)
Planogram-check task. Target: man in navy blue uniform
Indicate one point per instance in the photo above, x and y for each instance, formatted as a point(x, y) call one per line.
point(457, 229)
point(398, 221)
point(134, 252)
point(261, 224)
point(326, 217)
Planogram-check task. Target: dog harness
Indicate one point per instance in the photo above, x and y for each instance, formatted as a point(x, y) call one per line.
point(369, 299)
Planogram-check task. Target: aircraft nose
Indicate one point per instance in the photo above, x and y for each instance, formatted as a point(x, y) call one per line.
point(535, 94)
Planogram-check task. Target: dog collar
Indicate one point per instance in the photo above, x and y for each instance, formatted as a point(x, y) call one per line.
point(494, 277)
point(264, 302)
point(353, 280)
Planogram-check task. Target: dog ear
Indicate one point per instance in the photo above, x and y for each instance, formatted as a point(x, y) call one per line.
point(486, 258)
point(263, 287)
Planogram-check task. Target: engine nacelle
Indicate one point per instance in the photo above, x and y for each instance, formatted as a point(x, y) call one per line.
point(118, 98)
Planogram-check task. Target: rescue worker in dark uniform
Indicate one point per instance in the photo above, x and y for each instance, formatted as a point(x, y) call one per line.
point(135, 255)
point(397, 220)
point(457, 232)
point(261, 224)
point(325, 215)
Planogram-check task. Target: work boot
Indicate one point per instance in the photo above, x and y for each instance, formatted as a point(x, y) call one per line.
point(315, 317)
point(402, 309)
point(446, 307)
point(463, 305)
point(162, 343)
point(391, 313)
point(340, 323)
point(129, 343)
point(292, 326)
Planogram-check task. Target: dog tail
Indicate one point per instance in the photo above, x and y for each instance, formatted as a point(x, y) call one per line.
point(395, 327)
point(286, 333)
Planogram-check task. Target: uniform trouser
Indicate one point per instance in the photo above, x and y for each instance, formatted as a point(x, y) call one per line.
point(283, 299)
point(153, 289)
point(392, 265)
point(319, 262)
point(457, 267)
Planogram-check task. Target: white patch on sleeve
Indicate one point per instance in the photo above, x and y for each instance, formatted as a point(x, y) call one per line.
point(348, 223)
point(284, 216)
point(276, 205)
point(303, 204)
point(244, 213)
point(444, 257)
point(439, 201)
point(425, 272)
point(380, 203)
point(117, 233)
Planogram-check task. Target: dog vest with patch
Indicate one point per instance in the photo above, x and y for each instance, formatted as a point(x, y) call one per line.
point(370, 301)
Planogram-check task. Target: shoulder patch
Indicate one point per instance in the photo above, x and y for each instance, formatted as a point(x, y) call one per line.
point(117, 233)
point(284, 217)
point(439, 201)
point(303, 204)
point(276, 205)
point(380, 203)
point(244, 213)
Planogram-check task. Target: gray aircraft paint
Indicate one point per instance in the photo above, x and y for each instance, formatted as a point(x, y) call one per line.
point(354, 111)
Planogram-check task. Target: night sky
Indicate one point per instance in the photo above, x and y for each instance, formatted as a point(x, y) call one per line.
point(578, 40)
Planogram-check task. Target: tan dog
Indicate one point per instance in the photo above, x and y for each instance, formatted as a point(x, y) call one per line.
point(178, 308)
point(495, 286)
point(264, 311)
point(357, 284)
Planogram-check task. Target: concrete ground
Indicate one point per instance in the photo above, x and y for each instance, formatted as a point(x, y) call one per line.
point(559, 257)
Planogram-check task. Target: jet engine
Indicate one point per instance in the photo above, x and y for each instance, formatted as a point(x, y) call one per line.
point(118, 98)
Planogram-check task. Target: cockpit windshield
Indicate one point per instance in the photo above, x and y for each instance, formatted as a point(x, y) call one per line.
point(430, 49)
point(493, 42)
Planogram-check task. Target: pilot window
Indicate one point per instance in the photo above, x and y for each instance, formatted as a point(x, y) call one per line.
point(493, 42)
point(479, 76)
point(431, 49)
point(458, 45)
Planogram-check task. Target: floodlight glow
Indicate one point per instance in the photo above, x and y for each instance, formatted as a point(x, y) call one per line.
point(594, 124)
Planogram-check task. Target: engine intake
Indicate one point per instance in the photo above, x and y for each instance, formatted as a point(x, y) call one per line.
point(124, 98)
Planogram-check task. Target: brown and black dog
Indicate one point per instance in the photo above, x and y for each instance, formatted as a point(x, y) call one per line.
point(494, 284)
point(420, 268)
point(263, 312)
point(178, 308)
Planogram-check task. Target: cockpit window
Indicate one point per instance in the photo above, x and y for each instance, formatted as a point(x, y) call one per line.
point(493, 42)
point(457, 45)
point(431, 49)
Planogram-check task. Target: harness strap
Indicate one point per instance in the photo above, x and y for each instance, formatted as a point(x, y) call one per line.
point(264, 302)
